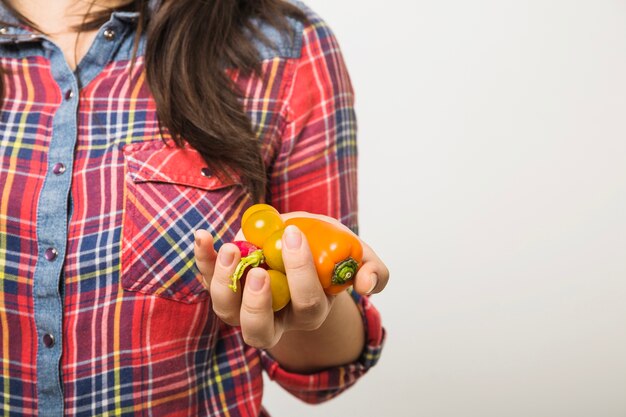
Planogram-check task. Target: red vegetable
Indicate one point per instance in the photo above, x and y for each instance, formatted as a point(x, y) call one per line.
point(249, 259)
point(245, 248)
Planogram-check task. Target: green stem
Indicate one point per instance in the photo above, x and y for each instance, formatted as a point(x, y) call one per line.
point(344, 271)
point(254, 259)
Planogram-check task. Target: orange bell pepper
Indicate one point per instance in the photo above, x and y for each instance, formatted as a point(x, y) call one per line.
point(337, 253)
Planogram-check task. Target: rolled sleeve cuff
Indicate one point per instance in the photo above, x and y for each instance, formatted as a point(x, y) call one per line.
point(324, 385)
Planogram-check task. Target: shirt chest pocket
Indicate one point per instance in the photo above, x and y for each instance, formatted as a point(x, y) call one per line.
point(169, 193)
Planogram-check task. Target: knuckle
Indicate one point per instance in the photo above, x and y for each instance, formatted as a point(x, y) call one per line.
point(219, 280)
point(206, 282)
point(253, 309)
point(383, 279)
point(309, 309)
point(311, 325)
point(231, 318)
point(297, 262)
point(254, 340)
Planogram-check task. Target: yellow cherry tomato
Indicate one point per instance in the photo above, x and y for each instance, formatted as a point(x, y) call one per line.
point(260, 225)
point(254, 208)
point(280, 289)
point(273, 251)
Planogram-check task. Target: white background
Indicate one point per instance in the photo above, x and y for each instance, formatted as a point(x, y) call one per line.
point(493, 183)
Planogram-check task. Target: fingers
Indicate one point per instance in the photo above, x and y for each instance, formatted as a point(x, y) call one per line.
point(251, 306)
point(373, 275)
point(216, 269)
point(226, 302)
point(309, 304)
point(258, 326)
point(205, 254)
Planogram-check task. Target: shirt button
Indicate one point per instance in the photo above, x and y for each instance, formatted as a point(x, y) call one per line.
point(51, 254)
point(109, 34)
point(48, 340)
point(206, 172)
point(69, 94)
point(59, 168)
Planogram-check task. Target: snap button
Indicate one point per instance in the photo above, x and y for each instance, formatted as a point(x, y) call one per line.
point(109, 34)
point(69, 94)
point(206, 172)
point(48, 340)
point(51, 254)
point(59, 168)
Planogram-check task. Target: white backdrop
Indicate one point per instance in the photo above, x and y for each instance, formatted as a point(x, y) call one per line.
point(493, 183)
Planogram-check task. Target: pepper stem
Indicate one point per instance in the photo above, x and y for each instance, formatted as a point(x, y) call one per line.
point(344, 271)
point(254, 259)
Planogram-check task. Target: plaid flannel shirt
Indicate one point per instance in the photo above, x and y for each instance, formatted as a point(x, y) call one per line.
point(102, 310)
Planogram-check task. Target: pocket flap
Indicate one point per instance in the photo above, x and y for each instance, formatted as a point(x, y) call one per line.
point(157, 161)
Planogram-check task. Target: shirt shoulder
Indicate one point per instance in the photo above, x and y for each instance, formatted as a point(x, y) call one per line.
point(290, 45)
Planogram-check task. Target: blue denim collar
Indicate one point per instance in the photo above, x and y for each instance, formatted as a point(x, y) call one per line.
point(6, 16)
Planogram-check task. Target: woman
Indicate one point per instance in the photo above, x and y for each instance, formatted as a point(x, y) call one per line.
point(127, 126)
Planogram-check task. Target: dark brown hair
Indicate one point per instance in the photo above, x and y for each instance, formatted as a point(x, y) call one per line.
point(190, 45)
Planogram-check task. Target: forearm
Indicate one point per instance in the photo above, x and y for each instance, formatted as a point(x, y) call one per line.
point(340, 340)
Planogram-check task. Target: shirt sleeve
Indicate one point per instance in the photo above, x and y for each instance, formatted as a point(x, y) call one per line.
point(322, 386)
point(316, 171)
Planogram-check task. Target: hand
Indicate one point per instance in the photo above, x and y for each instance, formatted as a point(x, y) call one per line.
point(252, 308)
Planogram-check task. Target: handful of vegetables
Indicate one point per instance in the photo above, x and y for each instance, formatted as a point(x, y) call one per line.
point(337, 253)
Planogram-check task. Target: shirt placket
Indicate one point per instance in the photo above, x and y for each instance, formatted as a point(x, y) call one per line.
point(53, 213)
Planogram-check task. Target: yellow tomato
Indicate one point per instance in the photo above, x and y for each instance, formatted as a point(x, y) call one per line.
point(253, 209)
point(280, 289)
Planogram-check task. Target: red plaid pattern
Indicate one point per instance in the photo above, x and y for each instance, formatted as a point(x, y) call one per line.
point(139, 335)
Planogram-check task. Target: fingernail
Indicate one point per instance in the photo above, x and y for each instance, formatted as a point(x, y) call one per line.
point(374, 282)
point(197, 239)
point(293, 237)
point(226, 257)
point(255, 280)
